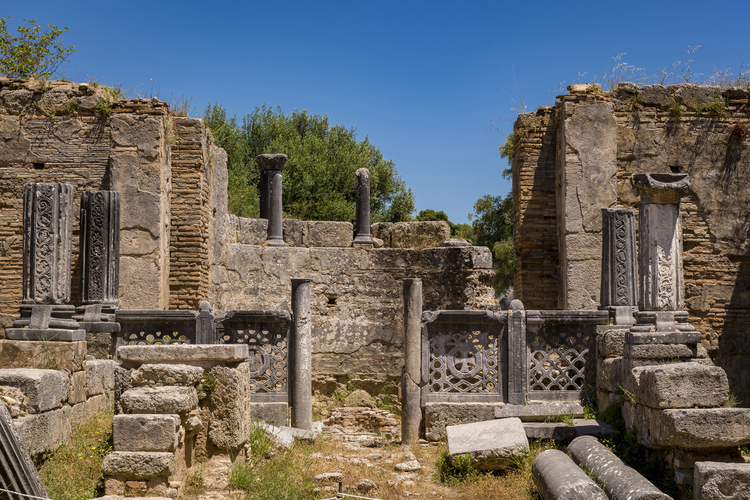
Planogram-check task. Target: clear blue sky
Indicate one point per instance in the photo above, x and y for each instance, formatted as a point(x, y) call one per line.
point(425, 80)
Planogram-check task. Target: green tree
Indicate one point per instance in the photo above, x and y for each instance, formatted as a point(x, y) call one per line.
point(493, 228)
point(464, 231)
point(319, 176)
point(33, 53)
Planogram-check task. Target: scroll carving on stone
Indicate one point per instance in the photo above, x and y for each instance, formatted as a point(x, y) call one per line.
point(99, 247)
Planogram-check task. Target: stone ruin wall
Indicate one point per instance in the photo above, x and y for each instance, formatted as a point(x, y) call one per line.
point(708, 145)
point(179, 245)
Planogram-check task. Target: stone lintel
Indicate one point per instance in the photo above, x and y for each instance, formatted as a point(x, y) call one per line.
point(676, 337)
point(183, 353)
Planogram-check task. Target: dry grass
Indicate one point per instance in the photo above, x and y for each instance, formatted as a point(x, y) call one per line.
point(74, 472)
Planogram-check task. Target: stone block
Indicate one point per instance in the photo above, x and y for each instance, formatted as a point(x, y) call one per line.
point(329, 234)
point(295, 232)
point(43, 432)
point(382, 231)
point(437, 416)
point(557, 476)
point(46, 389)
point(660, 351)
point(183, 353)
point(702, 428)
point(100, 376)
point(609, 374)
point(77, 387)
point(681, 385)
point(138, 464)
point(159, 400)
point(145, 432)
point(491, 444)
point(610, 343)
point(44, 355)
point(229, 428)
point(166, 375)
point(540, 412)
point(419, 234)
point(101, 345)
point(721, 480)
point(273, 413)
point(251, 231)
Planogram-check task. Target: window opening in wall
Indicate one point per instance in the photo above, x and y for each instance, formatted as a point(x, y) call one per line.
point(38, 166)
point(676, 169)
point(331, 301)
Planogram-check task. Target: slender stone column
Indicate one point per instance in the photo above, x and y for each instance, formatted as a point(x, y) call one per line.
point(411, 408)
point(619, 291)
point(272, 165)
point(47, 239)
point(660, 235)
point(518, 370)
point(264, 194)
point(300, 355)
point(99, 255)
point(362, 236)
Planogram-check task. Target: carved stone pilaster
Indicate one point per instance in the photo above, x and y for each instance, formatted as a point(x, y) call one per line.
point(100, 248)
point(619, 288)
point(47, 238)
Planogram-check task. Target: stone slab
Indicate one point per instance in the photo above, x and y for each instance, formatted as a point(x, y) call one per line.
point(490, 444)
point(183, 353)
point(46, 389)
point(539, 412)
point(43, 432)
point(46, 334)
point(561, 431)
point(660, 351)
point(100, 376)
point(161, 374)
point(681, 385)
point(721, 480)
point(145, 432)
point(45, 355)
point(677, 337)
point(437, 416)
point(329, 234)
point(272, 413)
point(77, 392)
point(229, 399)
point(556, 476)
point(702, 428)
point(611, 342)
point(138, 464)
point(159, 400)
point(302, 434)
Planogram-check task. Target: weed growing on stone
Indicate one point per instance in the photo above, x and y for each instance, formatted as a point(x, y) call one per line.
point(194, 482)
point(454, 472)
point(74, 472)
point(261, 444)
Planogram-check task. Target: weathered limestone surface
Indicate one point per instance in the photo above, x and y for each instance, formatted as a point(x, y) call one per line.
point(159, 400)
point(681, 385)
point(539, 412)
point(37, 354)
point(490, 444)
point(438, 416)
point(230, 399)
point(46, 389)
point(721, 480)
point(181, 353)
point(43, 432)
point(163, 375)
point(100, 376)
point(703, 428)
point(557, 477)
point(145, 432)
point(138, 464)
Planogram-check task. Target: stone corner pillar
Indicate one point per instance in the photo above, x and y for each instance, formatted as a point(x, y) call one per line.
point(411, 407)
point(517, 365)
point(271, 166)
point(619, 286)
point(300, 355)
point(362, 235)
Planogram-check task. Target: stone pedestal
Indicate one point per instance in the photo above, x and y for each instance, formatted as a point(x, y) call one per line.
point(362, 236)
point(271, 166)
point(47, 238)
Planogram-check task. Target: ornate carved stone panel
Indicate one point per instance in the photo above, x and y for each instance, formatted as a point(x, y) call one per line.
point(100, 247)
point(661, 258)
point(619, 271)
point(47, 238)
point(464, 362)
point(561, 359)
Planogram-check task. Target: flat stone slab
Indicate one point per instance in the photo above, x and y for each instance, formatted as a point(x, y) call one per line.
point(183, 353)
point(681, 385)
point(721, 480)
point(490, 444)
point(539, 412)
point(301, 434)
point(45, 334)
point(702, 428)
point(138, 464)
point(145, 432)
point(159, 400)
point(677, 337)
point(162, 374)
point(557, 476)
point(46, 389)
point(561, 431)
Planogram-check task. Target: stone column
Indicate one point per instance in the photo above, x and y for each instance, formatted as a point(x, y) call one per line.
point(272, 165)
point(518, 368)
point(300, 355)
point(411, 408)
point(619, 290)
point(264, 194)
point(362, 236)
point(99, 255)
point(47, 239)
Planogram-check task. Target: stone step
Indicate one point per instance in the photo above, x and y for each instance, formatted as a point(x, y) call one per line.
point(540, 411)
point(561, 431)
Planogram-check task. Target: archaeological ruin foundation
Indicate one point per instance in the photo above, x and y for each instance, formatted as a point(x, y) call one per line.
point(124, 281)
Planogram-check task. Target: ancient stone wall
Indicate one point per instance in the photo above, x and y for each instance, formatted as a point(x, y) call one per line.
point(699, 130)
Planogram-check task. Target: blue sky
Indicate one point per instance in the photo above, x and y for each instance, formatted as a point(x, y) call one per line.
point(433, 84)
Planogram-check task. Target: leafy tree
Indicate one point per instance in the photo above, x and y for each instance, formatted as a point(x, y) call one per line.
point(319, 176)
point(464, 231)
point(493, 227)
point(33, 53)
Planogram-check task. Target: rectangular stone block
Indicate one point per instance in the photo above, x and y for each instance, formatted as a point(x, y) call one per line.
point(610, 343)
point(660, 351)
point(44, 355)
point(183, 353)
point(46, 389)
point(609, 374)
point(77, 388)
point(162, 374)
point(329, 234)
point(721, 480)
point(138, 464)
point(490, 444)
point(702, 428)
point(273, 413)
point(43, 432)
point(681, 385)
point(251, 231)
point(100, 376)
point(145, 432)
point(228, 428)
point(159, 400)
point(540, 412)
point(419, 234)
point(437, 416)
